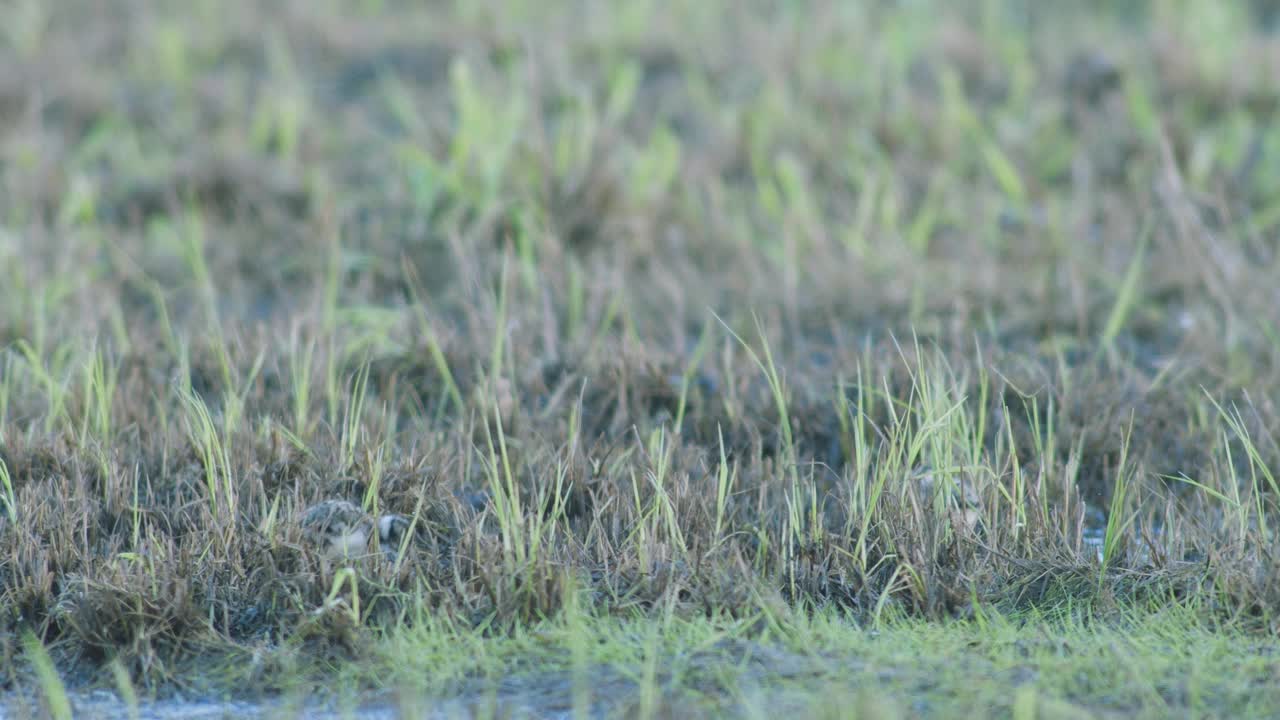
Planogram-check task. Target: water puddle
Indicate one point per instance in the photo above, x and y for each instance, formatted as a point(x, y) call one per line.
point(1094, 534)
point(106, 705)
point(606, 691)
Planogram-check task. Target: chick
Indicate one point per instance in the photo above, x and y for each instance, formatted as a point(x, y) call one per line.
point(339, 528)
point(958, 495)
point(392, 530)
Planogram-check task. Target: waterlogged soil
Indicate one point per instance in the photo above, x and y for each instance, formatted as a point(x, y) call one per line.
point(542, 697)
point(766, 676)
point(547, 697)
point(926, 670)
point(106, 705)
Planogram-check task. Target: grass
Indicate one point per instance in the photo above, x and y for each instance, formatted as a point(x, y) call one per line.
point(1152, 661)
point(926, 351)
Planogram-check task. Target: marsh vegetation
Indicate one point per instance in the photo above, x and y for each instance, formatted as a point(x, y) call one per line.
point(917, 358)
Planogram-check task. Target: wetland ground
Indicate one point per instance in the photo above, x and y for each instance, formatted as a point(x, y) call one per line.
point(875, 359)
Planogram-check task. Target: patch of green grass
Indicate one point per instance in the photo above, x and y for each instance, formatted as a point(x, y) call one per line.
point(1153, 662)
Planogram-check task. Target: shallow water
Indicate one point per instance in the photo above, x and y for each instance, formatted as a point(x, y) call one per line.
point(105, 705)
point(523, 700)
point(609, 693)
point(1094, 534)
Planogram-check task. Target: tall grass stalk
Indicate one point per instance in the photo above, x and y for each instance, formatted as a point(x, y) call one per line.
point(55, 692)
point(215, 456)
point(6, 487)
point(1118, 520)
